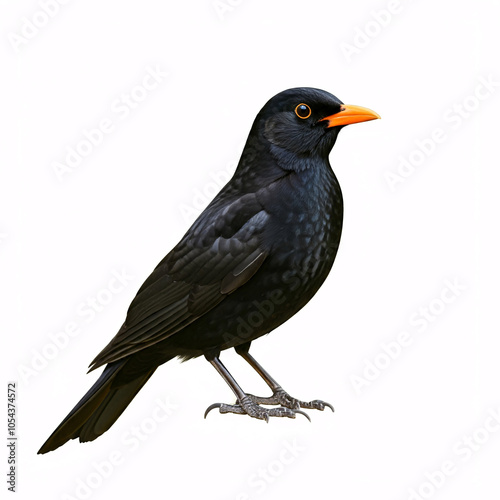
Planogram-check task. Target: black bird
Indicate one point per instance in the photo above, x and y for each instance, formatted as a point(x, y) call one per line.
point(252, 259)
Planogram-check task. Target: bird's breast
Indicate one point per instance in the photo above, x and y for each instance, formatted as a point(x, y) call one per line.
point(305, 227)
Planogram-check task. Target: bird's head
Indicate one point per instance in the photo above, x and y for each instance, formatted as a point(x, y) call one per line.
point(301, 125)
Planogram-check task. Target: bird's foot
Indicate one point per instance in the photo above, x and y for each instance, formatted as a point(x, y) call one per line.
point(248, 406)
point(281, 397)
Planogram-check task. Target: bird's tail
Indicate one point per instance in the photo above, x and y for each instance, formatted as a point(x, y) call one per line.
point(98, 410)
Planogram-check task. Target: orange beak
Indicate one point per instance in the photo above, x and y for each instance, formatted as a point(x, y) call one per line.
point(350, 114)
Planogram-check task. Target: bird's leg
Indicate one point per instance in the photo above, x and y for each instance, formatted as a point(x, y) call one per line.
point(280, 396)
point(246, 405)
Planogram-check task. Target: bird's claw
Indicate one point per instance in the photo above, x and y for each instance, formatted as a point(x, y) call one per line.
point(210, 408)
point(247, 406)
point(317, 404)
point(302, 413)
point(281, 397)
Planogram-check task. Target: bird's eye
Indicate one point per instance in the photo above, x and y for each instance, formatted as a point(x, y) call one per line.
point(303, 111)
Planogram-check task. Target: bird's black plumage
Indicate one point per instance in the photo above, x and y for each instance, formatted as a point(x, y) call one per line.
point(252, 259)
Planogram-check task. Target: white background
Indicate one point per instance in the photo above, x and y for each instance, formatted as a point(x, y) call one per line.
point(134, 195)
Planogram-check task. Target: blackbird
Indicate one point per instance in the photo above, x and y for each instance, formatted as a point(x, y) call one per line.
point(252, 259)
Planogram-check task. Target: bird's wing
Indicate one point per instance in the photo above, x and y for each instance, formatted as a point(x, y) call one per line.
point(220, 253)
